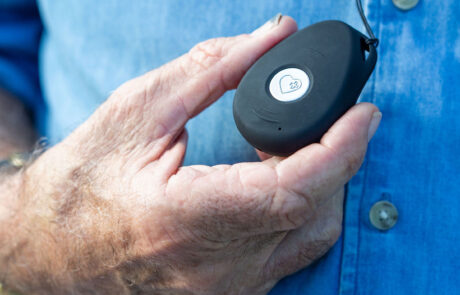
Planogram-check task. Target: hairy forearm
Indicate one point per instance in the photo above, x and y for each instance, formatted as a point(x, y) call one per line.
point(29, 256)
point(48, 243)
point(28, 248)
point(9, 189)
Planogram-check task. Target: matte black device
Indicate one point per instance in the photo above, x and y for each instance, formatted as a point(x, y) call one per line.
point(294, 93)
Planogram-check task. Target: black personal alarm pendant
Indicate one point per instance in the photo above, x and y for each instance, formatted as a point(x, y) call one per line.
point(294, 93)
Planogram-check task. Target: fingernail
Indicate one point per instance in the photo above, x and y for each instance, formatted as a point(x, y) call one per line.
point(273, 22)
point(375, 121)
point(276, 19)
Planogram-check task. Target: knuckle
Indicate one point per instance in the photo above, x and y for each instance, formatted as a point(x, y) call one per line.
point(291, 210)
point(207, 53)
point(350, 159)
point(354, 161)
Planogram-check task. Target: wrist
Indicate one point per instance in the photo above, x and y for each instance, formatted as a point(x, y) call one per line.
point(12, 171)
point(29, 250)
point(59, 234)
point(10, 184)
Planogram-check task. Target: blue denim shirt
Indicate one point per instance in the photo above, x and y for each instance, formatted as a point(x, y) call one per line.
point(90, 47)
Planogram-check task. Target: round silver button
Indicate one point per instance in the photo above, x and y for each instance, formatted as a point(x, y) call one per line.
point(289, 84)
point(405, 4)
point(383, 215)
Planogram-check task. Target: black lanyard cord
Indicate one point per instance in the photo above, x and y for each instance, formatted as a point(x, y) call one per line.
point(372, 40)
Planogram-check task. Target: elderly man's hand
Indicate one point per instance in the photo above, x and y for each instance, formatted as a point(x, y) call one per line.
point(110, 210)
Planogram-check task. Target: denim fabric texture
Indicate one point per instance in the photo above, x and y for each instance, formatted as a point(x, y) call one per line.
point(90, 47)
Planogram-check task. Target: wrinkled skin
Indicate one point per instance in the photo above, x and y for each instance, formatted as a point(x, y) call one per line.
point(110, 210)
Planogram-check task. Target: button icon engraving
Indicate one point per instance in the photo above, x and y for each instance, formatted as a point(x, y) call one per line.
point(289, 84)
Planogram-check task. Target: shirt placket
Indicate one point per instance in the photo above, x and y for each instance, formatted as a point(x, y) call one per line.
point(352, 222)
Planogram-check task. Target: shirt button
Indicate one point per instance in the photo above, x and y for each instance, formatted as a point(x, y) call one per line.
point(405, 4)
point(383, 215)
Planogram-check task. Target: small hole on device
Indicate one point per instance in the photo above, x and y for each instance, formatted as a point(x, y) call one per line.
point(364, 49)
point(279, 128)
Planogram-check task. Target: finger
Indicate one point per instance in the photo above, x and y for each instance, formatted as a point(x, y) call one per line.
point(217, 65)
point(302, 246)
point(277, 194)
point(160, 102)
point(317, 171)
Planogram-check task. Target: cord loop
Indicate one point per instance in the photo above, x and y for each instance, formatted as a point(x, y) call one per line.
point(372, 40)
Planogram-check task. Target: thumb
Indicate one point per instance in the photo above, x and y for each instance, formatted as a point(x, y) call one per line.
point(322, 169)
point(278, 194)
